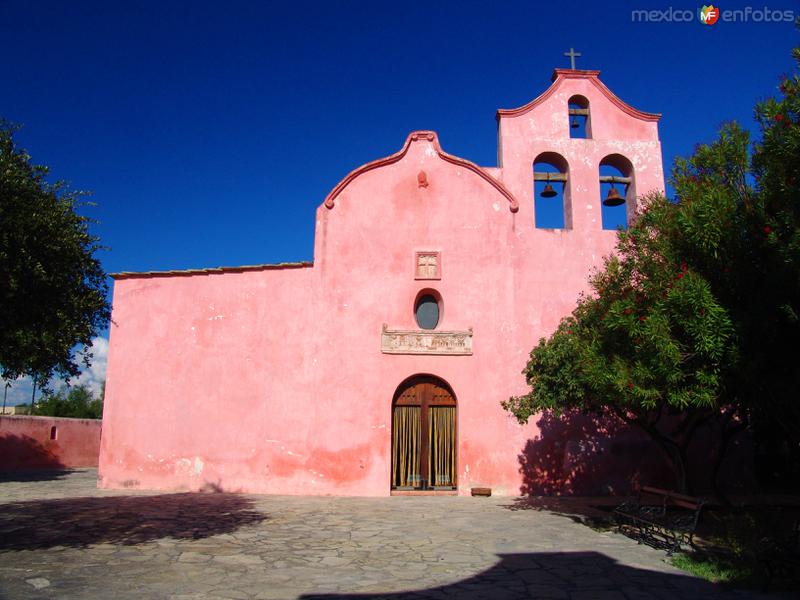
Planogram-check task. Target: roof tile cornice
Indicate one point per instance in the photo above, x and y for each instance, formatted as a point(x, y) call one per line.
point(211, 271)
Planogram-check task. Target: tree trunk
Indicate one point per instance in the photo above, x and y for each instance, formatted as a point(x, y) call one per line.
point(33, 396)
point(674, 453)
point(677, 456)
point(685, 485)
point(726, 435)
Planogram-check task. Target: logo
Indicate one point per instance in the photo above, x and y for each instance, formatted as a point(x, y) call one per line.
point(709, 14)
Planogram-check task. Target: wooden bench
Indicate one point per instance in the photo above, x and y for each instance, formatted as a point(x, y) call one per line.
point(661, 517)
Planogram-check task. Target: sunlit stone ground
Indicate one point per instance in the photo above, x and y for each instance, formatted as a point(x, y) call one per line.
point(61, 537)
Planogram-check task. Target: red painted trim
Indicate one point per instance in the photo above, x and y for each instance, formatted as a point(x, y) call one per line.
point(515, 112)
point(559, 75)
point(413, 137)
point(625, 107)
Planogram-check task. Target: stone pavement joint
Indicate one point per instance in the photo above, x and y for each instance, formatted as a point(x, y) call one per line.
point(61, 537)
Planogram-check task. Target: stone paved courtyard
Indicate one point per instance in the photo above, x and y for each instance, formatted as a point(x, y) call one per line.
point(60, 537)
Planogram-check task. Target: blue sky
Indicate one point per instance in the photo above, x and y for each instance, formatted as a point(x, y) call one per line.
point(210, 132)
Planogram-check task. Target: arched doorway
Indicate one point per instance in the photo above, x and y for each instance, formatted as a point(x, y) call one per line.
point(424, 435)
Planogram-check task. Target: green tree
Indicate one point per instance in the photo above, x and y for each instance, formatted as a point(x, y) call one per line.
point(694, 320)
point(647, 346)
point(52, 287)
point(774, 325)
point(78, 402)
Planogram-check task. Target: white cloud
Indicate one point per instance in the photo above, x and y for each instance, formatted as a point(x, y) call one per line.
point(19, 392)
point(92, 378)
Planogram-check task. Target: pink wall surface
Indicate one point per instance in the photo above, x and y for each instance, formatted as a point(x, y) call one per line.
point(272, 379)
point(30, 442)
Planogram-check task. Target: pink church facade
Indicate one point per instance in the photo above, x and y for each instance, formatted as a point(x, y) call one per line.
point(430, 280)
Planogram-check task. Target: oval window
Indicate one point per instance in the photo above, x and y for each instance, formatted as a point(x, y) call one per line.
point(427, 312)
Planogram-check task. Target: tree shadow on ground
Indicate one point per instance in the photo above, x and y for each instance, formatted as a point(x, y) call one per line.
point(596, 512)
point(128, 520)
point(27, 475)
point(585, 575)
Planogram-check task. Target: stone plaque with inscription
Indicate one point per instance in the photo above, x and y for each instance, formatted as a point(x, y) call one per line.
point(405, 341)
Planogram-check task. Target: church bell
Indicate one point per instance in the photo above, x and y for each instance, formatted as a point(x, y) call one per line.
point(548, 191)
point(613, 198)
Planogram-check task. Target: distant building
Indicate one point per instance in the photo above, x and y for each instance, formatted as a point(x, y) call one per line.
point(22, 409)
point(380, 367)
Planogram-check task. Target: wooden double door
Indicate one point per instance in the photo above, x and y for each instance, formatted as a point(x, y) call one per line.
point(424, 435)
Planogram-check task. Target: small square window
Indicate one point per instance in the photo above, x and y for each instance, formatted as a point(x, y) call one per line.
point(427, 265)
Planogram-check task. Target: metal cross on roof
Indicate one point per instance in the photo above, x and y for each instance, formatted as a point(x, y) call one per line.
point(572, 54)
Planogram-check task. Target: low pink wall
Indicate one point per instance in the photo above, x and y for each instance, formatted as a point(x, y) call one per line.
point(31, 443)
